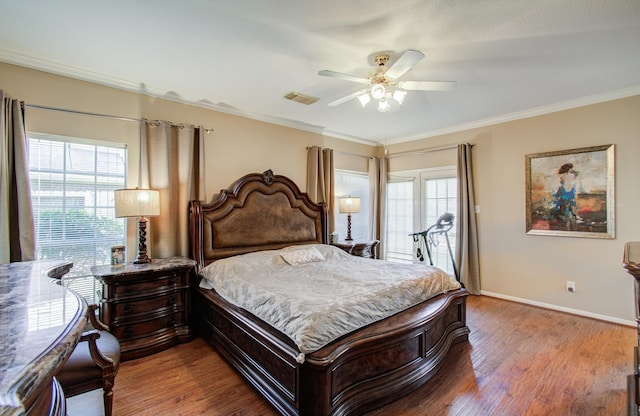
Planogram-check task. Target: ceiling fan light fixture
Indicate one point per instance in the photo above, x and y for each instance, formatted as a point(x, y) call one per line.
point(399, 96)
point(364, 99)
point(384, 106)
point(378, 91)
point(383, 83)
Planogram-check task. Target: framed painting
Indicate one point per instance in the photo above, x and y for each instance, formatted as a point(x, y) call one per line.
point(571, 192)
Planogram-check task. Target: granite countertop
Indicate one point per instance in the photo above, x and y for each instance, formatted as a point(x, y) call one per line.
point(40, 325)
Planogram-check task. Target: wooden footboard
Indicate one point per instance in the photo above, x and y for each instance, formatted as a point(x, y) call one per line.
point(359, 372)
point(266, 360)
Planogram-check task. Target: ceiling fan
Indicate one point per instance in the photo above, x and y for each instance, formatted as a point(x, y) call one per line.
point(384, 84)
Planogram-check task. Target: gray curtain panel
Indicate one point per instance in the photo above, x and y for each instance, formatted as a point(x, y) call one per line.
point(171, 163)
point(467, 255)
point(378, 177)
point(320, 184)
point(17, 230)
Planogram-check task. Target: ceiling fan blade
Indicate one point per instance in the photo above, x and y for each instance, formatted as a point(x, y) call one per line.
point(346, 98)
point(404, 63)
point(427, 85)
point(332, 74)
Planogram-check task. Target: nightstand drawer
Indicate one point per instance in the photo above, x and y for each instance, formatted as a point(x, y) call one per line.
point(132, 308)
point(142, 287)
point(142, 329)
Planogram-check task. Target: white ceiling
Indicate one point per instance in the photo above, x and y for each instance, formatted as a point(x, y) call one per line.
point(510, 58)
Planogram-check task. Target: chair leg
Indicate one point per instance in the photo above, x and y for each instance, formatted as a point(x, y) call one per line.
point(108, 402)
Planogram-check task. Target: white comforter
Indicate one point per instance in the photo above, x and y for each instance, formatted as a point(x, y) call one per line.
point(325, 293)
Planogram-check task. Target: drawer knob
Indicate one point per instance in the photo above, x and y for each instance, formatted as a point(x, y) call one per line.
point(128, 308)
point(172, 321)
point(171, 300)
point(128, 331)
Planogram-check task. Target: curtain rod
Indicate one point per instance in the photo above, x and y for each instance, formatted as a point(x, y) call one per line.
point(85, 113)
point(353, 154)
point(423, 151)
point(346, 153)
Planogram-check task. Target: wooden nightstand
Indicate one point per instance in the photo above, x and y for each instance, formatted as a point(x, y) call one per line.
point(359, 248)
point(146, 306)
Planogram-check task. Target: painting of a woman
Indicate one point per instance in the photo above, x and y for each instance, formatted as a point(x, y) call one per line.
point(571, 192)
point(565, 208)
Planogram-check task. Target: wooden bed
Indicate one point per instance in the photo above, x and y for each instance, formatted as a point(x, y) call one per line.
point(360, 371)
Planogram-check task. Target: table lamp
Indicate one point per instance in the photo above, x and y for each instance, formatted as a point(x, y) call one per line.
point(349, 205)
point(139, 203)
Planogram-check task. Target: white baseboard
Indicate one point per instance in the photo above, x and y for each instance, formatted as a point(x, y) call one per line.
point(560, 308)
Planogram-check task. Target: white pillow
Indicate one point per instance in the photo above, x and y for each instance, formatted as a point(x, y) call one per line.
point(302, 255)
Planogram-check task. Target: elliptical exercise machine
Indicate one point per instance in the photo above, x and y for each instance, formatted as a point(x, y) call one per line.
point(430, 239)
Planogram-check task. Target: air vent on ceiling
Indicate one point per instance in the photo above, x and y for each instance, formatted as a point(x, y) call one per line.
point(301, 98)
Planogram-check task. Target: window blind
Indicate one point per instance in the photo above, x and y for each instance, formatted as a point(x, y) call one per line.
point(72, 186)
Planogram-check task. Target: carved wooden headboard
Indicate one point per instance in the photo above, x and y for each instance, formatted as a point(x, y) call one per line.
point(261, 211)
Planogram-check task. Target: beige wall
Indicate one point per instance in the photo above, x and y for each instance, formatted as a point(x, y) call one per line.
point(513, 264)
point(536, 268)
point(235, 147)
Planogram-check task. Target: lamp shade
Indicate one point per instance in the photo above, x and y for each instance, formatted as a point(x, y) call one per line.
point(399, 96)
point(349, 205)
point(384, 106)
point(137, 202)
point(364, 99)
point(378, 91)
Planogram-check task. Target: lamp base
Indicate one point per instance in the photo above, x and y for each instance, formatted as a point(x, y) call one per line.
point(348, 228)
point(142, 256)
point(142, 260)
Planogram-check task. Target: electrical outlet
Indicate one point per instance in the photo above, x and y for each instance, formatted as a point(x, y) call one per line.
point(571, 286)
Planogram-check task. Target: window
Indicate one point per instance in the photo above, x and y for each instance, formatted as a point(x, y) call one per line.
point(355, 184)
point(440, 196)
point(400, 220)
point(415, 201)
point(72, 186)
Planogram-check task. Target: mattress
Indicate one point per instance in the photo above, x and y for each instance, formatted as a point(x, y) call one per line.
point(317, 293)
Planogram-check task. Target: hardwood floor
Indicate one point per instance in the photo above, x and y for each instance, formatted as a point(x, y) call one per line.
point(520, 360)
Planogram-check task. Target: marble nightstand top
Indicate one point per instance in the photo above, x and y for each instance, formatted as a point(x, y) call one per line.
point(108, 271)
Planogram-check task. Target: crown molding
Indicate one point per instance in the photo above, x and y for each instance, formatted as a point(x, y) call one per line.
point(113, 82)
point(538, 111)
point(108, 81)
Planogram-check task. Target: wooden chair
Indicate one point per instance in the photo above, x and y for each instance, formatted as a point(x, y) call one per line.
point(95, 361)
point(93, 364)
